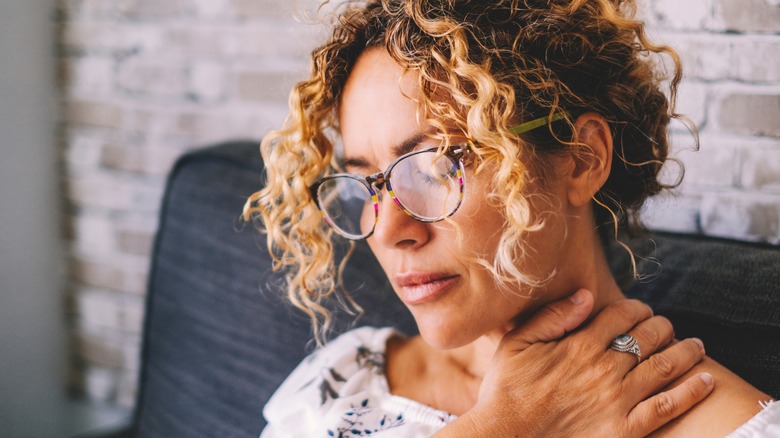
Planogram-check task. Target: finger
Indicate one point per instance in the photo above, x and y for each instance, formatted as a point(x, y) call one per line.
point(661, 408)
point(651, 335)
point(619, 317)
point(665, 367)
point(552, 321)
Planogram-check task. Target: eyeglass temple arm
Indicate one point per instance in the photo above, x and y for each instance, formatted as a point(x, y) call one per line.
point(541, 121)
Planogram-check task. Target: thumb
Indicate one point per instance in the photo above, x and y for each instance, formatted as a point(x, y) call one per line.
point(552, 321)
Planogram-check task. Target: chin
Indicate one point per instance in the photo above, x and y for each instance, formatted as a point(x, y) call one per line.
point(446, 336)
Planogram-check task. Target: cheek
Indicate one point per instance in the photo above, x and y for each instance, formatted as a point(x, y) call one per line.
point(535, 256)
point(480, 222)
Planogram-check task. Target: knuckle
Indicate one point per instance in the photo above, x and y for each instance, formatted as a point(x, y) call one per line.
point(607, 367)
point(648, 335)
point(692, 391)
point(553, 311)
point(692, 349)
point(665, 405)
point(632, 310)
point(626, 309)
point(662, 365)
point(664, 321)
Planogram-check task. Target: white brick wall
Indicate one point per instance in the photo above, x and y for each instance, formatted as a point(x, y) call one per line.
point(143, 82)
point(731, 56)
point(146, 80)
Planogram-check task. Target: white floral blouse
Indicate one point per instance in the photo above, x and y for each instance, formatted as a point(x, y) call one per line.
point(341, 391)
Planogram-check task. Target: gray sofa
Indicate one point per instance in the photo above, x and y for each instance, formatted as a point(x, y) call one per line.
point(218, 339)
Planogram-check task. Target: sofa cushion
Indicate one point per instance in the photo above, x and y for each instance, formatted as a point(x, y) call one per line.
point(218, 337)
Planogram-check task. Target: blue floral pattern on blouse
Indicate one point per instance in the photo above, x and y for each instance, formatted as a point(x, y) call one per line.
point(353, 426)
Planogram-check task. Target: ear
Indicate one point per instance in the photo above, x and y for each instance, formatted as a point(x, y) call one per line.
point(591, 159)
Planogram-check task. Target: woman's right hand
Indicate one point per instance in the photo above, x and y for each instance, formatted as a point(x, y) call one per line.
point(546, 379)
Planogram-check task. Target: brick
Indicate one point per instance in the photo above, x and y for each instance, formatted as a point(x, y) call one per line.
point(742, 216)
point(110, 37)
point(147, 196)
point(94, 113)
point(262, 8)
point(198, 40)
point(153, 9)
point(117, 273)
point(214, 9)
point(151, 122)
point(757, 59)
point(692, 99)
point(757, 114)
point(127, 390)
point(157, 77)
point(714, 165)
point(94, 231)
point(132, 319)
point(139, 159)
point(207, 82)
point(675, 14)
point(668, 212)
point(111, 313)
point(135, 242)
point(704, 55)
point(746, 15)
point(214, 126)
point(104, 353)
point(86, 8)
point(269, 42)
point(98, 308)
point(98, 274)
point(92, 75)
point(100, 384)
point(264, 85)
point(760, 168)
point(136, 281)
point(82, 151)
point(100, 190)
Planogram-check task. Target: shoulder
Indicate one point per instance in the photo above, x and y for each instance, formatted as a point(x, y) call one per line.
point(351, 365)
point(732, 403)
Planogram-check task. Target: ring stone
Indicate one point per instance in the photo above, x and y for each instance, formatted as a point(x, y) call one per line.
point(626, 344)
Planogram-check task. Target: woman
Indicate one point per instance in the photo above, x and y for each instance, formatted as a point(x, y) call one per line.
point(506, 133)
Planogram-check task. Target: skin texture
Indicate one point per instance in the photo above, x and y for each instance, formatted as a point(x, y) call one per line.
point(460, 358)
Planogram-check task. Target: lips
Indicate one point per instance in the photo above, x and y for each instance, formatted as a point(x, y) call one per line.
point(418, 288)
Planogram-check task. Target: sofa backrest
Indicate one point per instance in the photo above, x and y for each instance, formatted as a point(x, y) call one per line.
point(219, 339)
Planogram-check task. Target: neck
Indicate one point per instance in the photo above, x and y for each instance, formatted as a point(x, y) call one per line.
point(590, 270)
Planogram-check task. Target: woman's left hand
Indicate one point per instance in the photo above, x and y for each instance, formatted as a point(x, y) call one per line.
point(546, 381)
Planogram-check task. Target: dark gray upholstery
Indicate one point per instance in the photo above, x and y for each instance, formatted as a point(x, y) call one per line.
point(218, 339)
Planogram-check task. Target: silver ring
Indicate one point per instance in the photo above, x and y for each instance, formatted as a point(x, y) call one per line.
point(626, 343)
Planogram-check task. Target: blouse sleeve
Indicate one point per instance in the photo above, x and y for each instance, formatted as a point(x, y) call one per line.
point(298, 407)
point(765, 424)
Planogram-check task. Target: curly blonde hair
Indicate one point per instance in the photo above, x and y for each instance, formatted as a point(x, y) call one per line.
point(497, 63)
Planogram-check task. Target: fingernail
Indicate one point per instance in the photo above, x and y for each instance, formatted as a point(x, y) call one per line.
point(698, 341)
point(706, 378)
point(578, 297)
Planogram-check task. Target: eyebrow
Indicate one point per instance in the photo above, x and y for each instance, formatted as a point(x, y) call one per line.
point(404, 147)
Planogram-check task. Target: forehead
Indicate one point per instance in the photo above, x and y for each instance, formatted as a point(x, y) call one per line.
point(378, 108)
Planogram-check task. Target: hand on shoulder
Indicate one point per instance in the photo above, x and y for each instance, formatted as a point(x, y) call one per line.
point(731, 404)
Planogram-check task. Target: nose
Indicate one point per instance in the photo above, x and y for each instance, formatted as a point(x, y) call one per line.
point(396, 229)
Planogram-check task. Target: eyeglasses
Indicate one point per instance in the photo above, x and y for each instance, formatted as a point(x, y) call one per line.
point(427, 185)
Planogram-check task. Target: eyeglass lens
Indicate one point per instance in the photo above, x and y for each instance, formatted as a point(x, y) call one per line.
point(426, 185)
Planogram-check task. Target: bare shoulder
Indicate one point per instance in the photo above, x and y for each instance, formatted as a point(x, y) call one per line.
point(732, 402)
